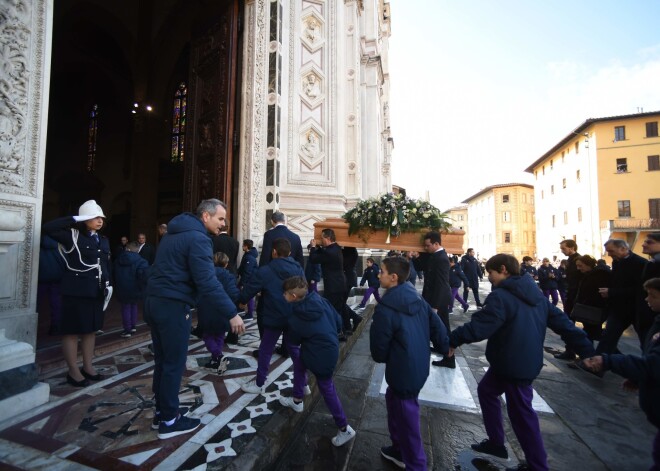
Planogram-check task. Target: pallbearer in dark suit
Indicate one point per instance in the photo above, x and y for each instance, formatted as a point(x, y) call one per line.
point(228, 245)
point(437, 291)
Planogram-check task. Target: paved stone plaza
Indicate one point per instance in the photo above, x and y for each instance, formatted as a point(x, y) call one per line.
point(587, 423)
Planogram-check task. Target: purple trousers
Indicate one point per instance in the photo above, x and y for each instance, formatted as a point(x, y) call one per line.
point(266, 347)
point(403, 423)
point(51, 292)
point(214, 344)
point(553, 293)
point(524, 421)
point(369, 292)
point(249, 308)
point(129, 315)
point(457, 297)
point(327, 388)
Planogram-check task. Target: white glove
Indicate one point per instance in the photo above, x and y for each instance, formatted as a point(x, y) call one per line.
point(80, 218)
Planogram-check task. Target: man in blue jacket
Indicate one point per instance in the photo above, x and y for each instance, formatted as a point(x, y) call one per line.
point(514, 320)
point(183, 273)
point(472, 270)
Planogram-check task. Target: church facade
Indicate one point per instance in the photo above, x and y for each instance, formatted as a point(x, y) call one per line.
point(150, 106)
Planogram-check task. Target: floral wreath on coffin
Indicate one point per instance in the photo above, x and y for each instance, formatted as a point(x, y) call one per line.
point(395, 213)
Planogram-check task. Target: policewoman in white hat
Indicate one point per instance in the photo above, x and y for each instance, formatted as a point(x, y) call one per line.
point(85, 286)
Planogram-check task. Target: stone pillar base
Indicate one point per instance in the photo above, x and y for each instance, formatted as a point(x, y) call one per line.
point(30, 399)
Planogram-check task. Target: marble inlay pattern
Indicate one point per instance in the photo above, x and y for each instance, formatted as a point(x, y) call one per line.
point(108, 425)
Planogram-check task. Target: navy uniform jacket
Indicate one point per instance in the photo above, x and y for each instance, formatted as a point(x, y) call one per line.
point(248, 265)
point(403, 324)
point(80, 279)
point(314, 325)
point(514, 319)
point(281, 232)
point(370, 275)
point(471, 268)
point(130, 275)
point(545, 281)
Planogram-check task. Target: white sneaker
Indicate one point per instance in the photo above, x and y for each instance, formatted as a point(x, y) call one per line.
point(343, 437)
point(251, 387)
point(289, 402)
point(307, 391)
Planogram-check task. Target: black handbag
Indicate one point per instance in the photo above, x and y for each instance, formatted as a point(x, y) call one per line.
point(587, 314)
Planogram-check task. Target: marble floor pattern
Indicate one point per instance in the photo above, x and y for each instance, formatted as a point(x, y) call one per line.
point(108, 424)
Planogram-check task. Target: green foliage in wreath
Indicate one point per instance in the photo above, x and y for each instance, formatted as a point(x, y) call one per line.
point(396, 213)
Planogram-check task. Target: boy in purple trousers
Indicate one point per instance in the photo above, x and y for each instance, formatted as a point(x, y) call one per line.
point(514, 320)
point(403, 324)
point(313, 325)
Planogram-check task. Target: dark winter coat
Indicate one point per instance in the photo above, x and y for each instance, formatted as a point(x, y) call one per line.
point(644, 371)
point(228, 281)
point(51, 263)
point(644, 313)
point(436, 289)
point(148, 253)
point(412, 277)
point(456, 276)
point(624, 285)
point(588, 290)
point(332, 265)
point(514, 319)
point(312, 272)
point(313, 325)
point(546, 282)
point(248, 265)
point(529, 270)
point(403, 324)
point(471, 268)
point(370, 276)
point(562, 285)
point(230, 247)
point(88, 265)
point(277, 232)
point(184, 271)
point(130, 275)
point(268, 280)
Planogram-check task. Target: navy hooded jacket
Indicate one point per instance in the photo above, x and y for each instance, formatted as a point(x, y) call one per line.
point(644, 371)
point(248, 265)
point(370, 275)
point(130, 275)
point(403, 323)
point(268, 280)
point(514, 320)
point(313, 325)
point(456, 276)
point(545, 280)
point(184, 271)
point(51, 263)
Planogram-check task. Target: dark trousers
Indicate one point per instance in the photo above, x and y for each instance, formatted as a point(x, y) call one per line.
point(524, 421)
point(403, 424)
point(656, 453)
point(170, 323)
point(338, 301)
point(327, 388)
point(617, 323)
point(474, 286)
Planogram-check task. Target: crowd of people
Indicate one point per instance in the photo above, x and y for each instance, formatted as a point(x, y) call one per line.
point(195, 270)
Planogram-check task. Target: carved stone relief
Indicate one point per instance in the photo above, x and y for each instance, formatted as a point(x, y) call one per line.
point(15, 37)
point(16, 263)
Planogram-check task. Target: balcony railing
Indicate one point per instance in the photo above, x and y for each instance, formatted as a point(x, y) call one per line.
point(630, 224)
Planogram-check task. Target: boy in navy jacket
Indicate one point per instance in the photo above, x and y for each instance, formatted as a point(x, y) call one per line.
point(514, 320)
point(313, 326)
point(268, 280)
point(130, 271)
point(642, 373)
point(370, 275)
point(403, 324)
point(215, 341)
point(456, 277)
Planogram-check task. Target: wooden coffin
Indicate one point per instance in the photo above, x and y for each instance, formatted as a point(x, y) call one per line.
point(413, 241)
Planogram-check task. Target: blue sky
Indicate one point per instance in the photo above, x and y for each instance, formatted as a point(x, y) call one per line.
point(481, 88)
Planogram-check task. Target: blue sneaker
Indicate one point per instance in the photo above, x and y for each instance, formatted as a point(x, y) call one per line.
point(180, 426)
point(156, 420)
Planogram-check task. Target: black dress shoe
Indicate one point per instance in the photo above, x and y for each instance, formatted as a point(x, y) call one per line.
point(96, 377)
point(282, 351)
point(446, 362)
point(78, 384)
point(356, 321)
point(566, 355)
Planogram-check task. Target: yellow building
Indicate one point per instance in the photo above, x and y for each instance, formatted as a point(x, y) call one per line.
point(501, 220)
point(601, 181)
point(459, 220)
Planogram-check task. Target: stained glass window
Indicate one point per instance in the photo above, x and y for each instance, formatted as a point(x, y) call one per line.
point(92, 135)
point(179, 123)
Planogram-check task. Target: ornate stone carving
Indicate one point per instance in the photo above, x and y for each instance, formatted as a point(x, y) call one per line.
point(15, 43)
point(19, 218)
point(312, 86)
